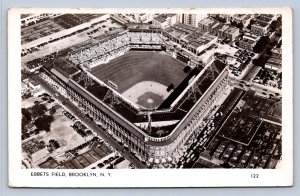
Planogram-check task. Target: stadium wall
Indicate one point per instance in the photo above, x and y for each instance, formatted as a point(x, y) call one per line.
point(144, 146)
point(192, 124)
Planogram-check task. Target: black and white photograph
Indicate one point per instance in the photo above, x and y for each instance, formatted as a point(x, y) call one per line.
point(101, 91)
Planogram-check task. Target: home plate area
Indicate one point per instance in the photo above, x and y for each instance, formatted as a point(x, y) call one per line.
point(147, 94)
point(149, 100)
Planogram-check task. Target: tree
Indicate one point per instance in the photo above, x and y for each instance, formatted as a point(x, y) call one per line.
point(42, 143)
point(220, 19)
point(240, 25)
point(44, 122)
point(26, 119)
point(275, 24)
point(38, 110)
point(52, 111)
point(250, 23)
point(258, 62)
point(261, 44)
point(53, 144)
point(269, 52)
point(26, 114)
point(237, 24)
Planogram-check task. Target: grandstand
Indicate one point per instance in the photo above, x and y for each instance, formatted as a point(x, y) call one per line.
point(114, 46)
point(158, 122)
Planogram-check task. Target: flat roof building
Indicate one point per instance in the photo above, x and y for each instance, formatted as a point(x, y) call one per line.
point(192, 19)
point(262, 23)
point(275, 61)
point(207, 24)
point(248, 41)
point(165, 20)
point(194, 38)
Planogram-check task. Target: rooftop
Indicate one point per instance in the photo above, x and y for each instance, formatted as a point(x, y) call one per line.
point(207, 21)
point(247, 116)
point(33, 82)
point(275, 60)
point(194, 36)
point(62, 64)
point(224, 28)
point(246, 40)
point(260, 24)
point(241, 16)
point(232, 30)
point(277, 51)
point(266, 17)
point(199, 40)
point(251, 36)
point(163, 17)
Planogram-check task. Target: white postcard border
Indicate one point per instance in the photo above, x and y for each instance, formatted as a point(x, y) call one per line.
point(155, 177)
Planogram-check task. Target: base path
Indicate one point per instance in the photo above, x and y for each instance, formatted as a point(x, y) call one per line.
point(136, 92)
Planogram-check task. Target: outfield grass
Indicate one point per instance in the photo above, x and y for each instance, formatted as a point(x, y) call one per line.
point(137, 66)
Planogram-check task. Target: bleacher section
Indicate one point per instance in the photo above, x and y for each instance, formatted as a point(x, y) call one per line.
point(114, 46)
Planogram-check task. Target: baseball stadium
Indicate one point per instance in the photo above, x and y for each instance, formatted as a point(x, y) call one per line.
point(138, 86)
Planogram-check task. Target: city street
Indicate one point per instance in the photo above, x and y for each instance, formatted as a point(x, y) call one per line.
point(251, 73)
point(245, 85)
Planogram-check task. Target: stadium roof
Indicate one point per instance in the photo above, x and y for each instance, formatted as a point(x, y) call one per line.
point(63, 65)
